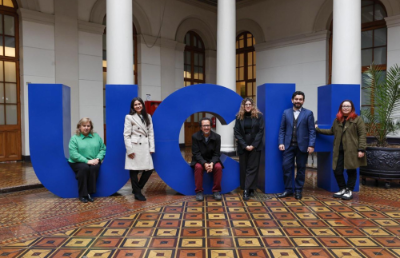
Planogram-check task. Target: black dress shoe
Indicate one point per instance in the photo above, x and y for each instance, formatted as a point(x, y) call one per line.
point(83, 199)
point(285, 194)
point(298, 195)
point(90, 199)
point(246, 195)
point(251, 192)
point(140, 197)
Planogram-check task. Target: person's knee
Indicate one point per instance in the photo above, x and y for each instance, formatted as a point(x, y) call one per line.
point(198, 166)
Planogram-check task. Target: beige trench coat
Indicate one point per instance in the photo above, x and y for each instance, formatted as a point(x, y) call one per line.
point(139, 139)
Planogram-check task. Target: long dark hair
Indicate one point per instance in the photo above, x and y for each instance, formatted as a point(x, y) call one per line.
point(143, 113)
point(340, 115)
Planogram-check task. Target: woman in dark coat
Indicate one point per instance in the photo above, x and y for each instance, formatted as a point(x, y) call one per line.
point(348, 147)
point(249, 131)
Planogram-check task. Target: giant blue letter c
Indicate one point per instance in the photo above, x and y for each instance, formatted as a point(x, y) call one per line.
point(168, 120)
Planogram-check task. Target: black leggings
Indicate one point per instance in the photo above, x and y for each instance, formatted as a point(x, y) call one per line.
point(351, 173)
point(137, 185)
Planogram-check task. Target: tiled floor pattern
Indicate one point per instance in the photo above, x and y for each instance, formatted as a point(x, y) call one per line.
point(232, 228)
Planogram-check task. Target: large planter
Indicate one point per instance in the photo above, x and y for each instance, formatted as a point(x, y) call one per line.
point(382, 163)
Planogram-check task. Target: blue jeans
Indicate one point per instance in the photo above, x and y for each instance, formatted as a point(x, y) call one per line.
point(289, 156)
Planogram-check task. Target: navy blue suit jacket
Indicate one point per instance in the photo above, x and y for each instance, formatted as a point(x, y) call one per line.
point(305, 129)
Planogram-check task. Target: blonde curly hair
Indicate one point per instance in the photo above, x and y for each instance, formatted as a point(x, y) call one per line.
point(254, 110)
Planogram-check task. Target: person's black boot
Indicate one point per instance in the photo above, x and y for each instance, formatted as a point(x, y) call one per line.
point(246, 195)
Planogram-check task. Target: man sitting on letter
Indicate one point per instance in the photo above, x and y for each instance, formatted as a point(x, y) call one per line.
point(206, 147)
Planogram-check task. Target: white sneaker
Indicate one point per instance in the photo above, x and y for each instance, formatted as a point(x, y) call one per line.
point(348, 195)
point(339, 194)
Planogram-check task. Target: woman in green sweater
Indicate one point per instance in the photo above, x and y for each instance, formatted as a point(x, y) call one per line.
point(86, 151)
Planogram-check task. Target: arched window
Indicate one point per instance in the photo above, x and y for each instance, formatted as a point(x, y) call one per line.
point(194, 59)
point(373, 40)
point(135, 62)
point(10, 105)
point(194, 73)
point(246, 65)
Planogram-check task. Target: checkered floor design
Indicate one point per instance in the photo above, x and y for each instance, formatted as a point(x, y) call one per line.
point(231, 228)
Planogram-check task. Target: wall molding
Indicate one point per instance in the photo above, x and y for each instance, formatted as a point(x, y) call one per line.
point(393, 21)
point(35, 16)
point(91, 27)
point(293, 40)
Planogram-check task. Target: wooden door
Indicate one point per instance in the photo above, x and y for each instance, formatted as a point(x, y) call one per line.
point(192, 126)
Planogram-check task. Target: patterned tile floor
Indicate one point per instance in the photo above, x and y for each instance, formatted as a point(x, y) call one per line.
point(35, 223)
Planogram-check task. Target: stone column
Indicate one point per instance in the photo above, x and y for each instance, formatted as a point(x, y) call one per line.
point(119, 42)
point(226, 62)
point(346, 45)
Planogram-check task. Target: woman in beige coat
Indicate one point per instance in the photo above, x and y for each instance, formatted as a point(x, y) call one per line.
point(348, 147)
point(139, 144)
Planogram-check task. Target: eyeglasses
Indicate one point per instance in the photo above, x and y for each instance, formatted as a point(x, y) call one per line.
point(205, 125)
point(346, 106)
point(248, 105)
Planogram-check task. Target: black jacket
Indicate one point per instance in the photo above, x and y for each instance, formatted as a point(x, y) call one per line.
point(206, 152)
point(257, 133)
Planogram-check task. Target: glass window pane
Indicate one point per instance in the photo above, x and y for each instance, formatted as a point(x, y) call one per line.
point(196, 59)
point(366, 39)
point(9, 27)
point(250, 58)
point(104, 41)
point(380, 37)
point(196, 72)
point(366, 57)
point(1, 71)
point(380, 55)
point(195, 41)
point(1, 46)
point(201, 73)
point(10, 46)
point(201, 59)
point(254, 41)
point(200, 44)
point(10, 71)
point(241, 42)
point(250, 72)
point(2, 96)
point(365, 2)
point(241, 73)
point(367, 13)
point(241, 60)
point(8, 3)
point(188, 57)
point(187, 39)
point(380, 13)
point(11, 93)
point(11, 115)
point(2, 114)
point(196, 117)
point(240, 89)
point(249, 88)
point(1, 24)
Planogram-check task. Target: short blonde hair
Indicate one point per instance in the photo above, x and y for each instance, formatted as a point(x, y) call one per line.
point(84, 121)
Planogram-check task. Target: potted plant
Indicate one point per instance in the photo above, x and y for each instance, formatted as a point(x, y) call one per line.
point(381, 119)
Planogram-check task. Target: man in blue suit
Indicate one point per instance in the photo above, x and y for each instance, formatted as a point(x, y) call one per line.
point(296, 140)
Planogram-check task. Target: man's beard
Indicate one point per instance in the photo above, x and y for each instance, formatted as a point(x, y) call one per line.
point(297, 105)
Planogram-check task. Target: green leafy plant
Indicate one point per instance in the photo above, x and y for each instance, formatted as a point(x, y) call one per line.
point(384, 92)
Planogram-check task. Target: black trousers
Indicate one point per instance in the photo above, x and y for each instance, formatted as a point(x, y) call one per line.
point(289, 156)
point(351, 173)
point(87, 177)
point(137, 185)
point(249, 163)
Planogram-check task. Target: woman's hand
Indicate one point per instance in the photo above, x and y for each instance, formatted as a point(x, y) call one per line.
point(249, 148)
point(93, 162)
point(316, 126)
point(131, 156)
point(361, 154)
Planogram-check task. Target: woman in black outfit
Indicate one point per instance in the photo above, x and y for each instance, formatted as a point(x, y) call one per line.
point(249, 131)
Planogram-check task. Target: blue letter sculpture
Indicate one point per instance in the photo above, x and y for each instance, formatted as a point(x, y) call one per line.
point(168, 120)
point(49, 125)
point(329, 99)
